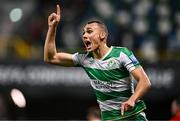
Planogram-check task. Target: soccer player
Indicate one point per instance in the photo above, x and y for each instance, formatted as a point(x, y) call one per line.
point(109, 68)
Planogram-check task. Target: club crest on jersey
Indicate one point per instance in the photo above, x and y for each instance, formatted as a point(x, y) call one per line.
point(112, 64)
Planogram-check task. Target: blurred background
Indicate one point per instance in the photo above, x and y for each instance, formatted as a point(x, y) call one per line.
point(32, 89)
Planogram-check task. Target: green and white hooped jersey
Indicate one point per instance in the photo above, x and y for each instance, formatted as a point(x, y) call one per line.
point(111, 80)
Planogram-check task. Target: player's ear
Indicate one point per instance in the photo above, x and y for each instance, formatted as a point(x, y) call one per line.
point(102, 35)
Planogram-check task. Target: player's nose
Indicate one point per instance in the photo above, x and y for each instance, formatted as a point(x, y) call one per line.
point(85, 36)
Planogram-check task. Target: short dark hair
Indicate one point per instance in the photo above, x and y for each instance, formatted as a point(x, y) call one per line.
point(101, 24)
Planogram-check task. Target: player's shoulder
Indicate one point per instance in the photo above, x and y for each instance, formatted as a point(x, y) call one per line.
point(84, 53)
point(118, 47)
point(122, 49)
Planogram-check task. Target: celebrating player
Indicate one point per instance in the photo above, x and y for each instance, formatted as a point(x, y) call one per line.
point(109, 68)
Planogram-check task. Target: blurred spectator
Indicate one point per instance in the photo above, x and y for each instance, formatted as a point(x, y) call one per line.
point(175, 109)
point(174, 42)
point(149, 49)
point(94, 114)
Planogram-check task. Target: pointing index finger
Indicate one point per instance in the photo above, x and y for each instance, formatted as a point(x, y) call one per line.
point(58, 10)
point(122, 109)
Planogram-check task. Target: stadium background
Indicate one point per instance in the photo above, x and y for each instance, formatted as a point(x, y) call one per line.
point(151, 28)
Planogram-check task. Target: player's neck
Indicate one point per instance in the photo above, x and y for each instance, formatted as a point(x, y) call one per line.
point(101, 51)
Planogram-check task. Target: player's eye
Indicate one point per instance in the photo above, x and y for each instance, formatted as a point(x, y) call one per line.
point(89, 31)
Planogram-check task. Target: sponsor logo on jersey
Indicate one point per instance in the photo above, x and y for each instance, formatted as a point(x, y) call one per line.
point(133, 59)
point(103, 85)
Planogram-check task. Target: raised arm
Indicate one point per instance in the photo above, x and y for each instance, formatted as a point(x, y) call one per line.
point(50, 53)
point(142, 86)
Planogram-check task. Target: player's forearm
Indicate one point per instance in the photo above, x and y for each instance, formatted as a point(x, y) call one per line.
point(141, 88)
point(50, 46)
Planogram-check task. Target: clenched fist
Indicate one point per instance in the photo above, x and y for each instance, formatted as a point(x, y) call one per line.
point(54, 18)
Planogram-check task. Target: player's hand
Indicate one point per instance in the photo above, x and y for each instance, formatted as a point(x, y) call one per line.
point(54, 18)
point(125, 106)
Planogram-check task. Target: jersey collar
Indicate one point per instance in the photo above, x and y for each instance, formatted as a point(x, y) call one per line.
point(107, 53)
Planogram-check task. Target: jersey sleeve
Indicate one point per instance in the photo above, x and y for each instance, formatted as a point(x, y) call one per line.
point(78, 58)
point(128, 60)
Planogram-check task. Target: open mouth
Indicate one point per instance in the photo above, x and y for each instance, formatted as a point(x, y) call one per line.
point(87, 44)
